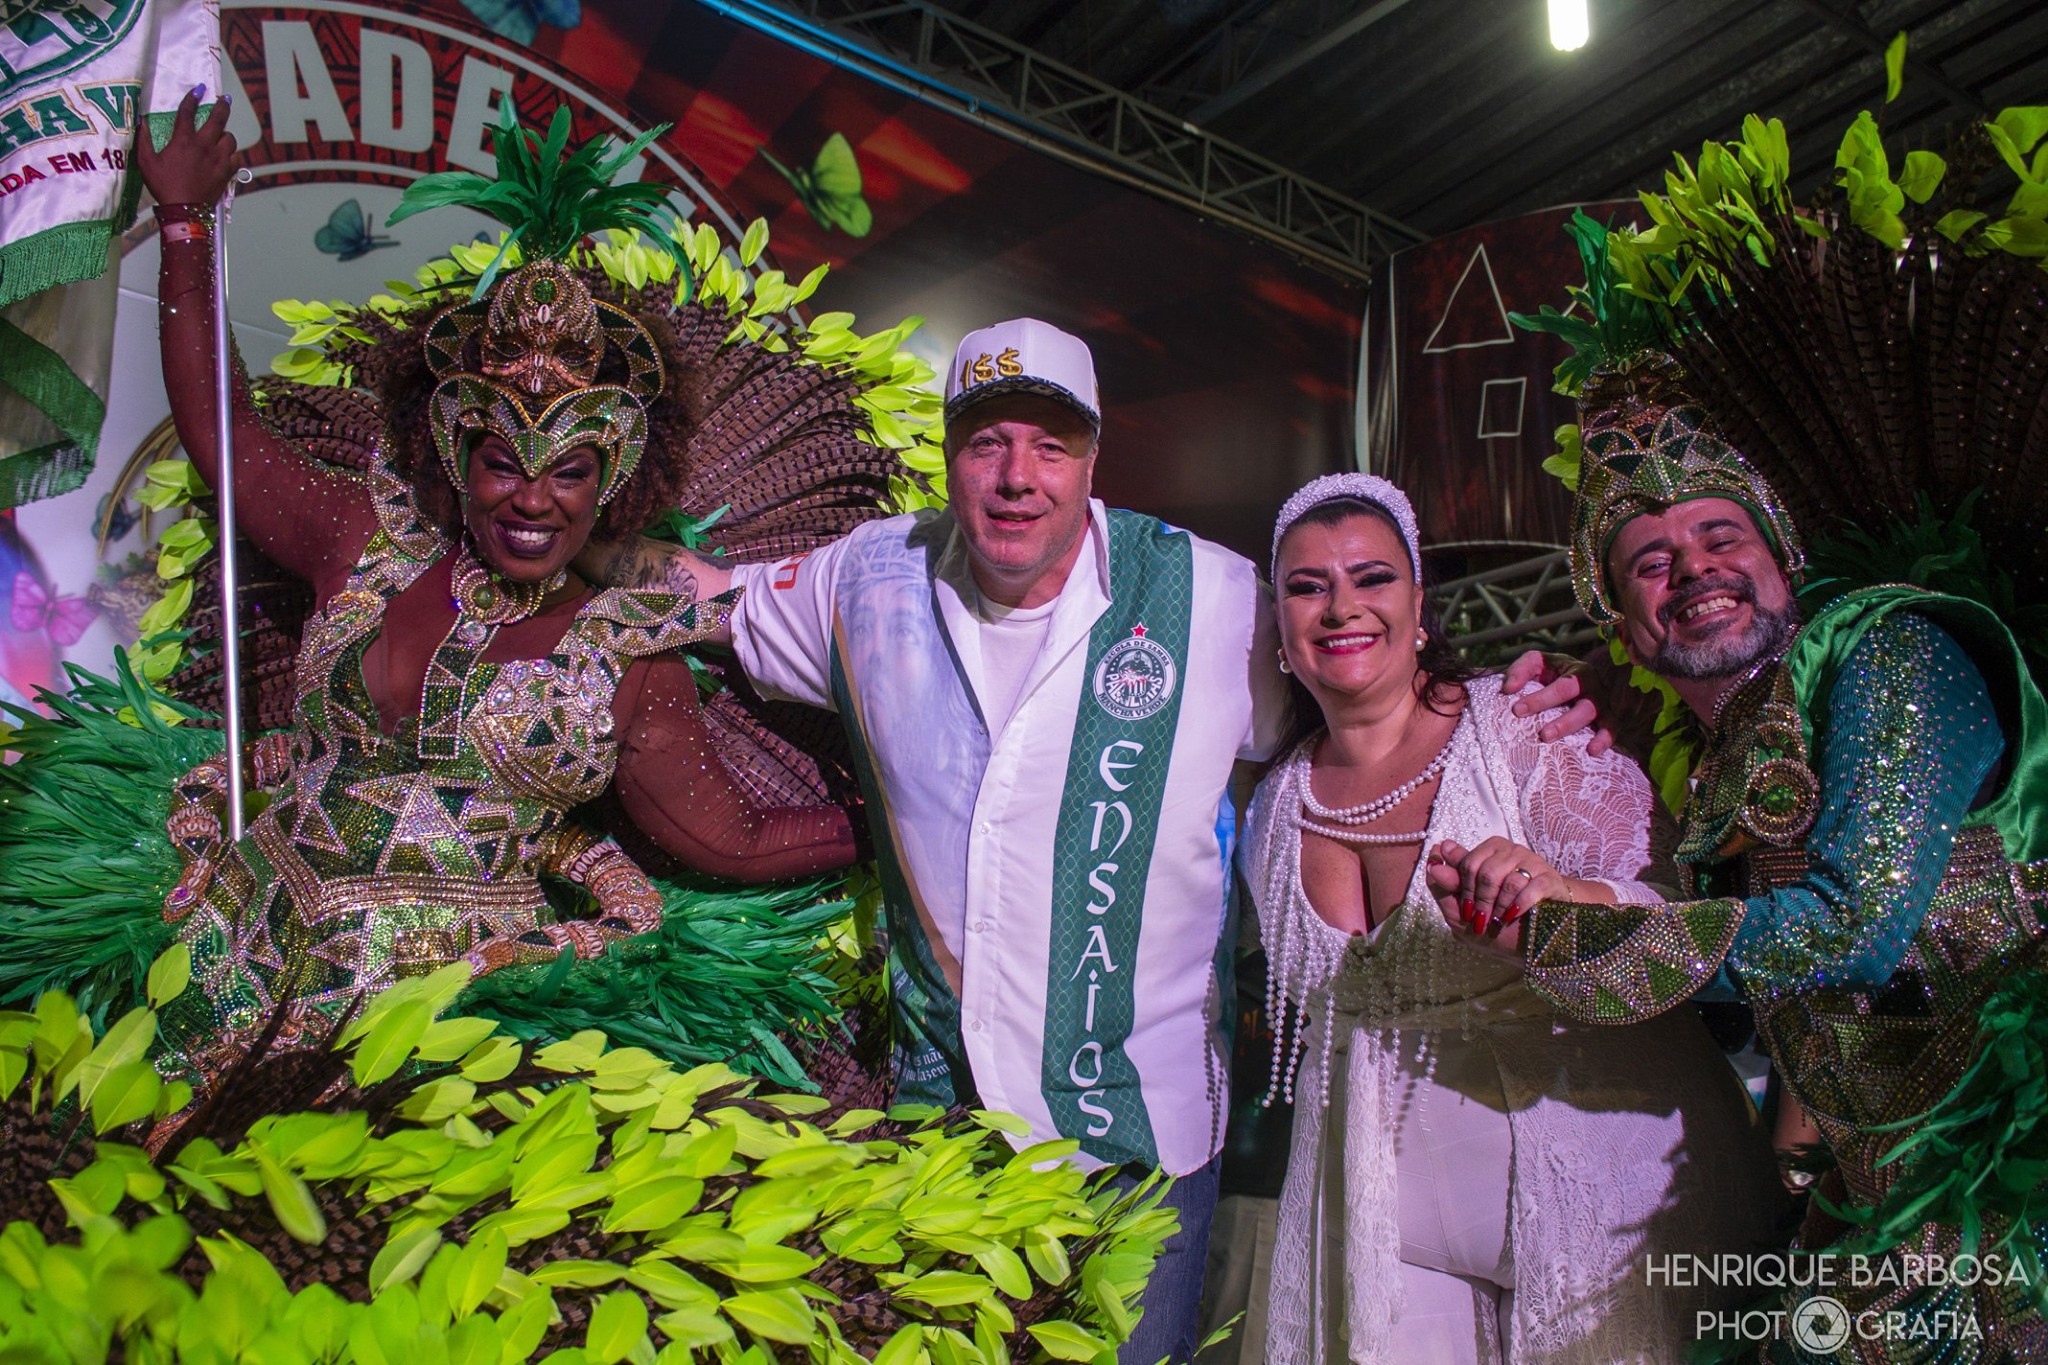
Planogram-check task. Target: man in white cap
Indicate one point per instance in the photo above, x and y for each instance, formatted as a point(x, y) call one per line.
point(1046, 698)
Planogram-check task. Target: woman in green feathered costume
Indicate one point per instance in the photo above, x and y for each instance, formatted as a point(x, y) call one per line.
point(461, 689)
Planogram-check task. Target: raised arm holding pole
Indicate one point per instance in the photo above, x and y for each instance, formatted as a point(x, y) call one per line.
point(283, 503)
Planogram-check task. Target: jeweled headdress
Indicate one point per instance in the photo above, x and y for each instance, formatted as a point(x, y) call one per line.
point(1875, 355)
point(521, 359)
point(1381, 493)
point(522, 363)
point(1646, 446)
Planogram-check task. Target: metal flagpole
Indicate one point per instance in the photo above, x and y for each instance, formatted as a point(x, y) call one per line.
point(224, 442)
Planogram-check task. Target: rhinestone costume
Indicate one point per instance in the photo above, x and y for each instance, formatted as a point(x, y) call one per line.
point(388, 855)
point(1853, 901)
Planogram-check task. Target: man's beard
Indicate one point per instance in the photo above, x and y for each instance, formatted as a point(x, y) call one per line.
point(1723, 656)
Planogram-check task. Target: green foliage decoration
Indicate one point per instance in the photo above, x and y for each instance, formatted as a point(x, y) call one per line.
point(1614, 324)
point(733, 974)
point(1944, 554)
point(1726, 206)
point(1733, 206)
point(550, 197)
point(459, 1196)
point(1737, 206)
point(172, 486)
point(730, 970)
point(79, 909)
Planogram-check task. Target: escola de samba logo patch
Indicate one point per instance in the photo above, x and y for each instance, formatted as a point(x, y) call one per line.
point(1135, 677)
point(40, 41)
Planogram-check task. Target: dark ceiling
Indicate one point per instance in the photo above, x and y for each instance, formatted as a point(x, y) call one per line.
point(1445, 113)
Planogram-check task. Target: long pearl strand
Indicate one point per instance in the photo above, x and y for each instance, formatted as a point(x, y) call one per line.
point(1367, 812)
point(1301, 955)
point(1359, 836)
point(1299, 961)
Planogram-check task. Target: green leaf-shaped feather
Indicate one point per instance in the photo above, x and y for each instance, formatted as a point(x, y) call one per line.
point(550, 197)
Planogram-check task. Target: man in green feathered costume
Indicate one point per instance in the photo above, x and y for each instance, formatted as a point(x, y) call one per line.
point(1864, 842)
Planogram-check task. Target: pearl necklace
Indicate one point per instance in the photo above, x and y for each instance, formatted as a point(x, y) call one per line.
point(1358, 836)
point(1369, 811)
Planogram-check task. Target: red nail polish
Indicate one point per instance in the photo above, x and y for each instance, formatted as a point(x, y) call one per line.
point(1469, 907)
point(1479, 925)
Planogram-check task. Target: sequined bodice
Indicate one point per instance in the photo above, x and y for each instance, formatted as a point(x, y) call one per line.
point(386, 854)
point(476, 783)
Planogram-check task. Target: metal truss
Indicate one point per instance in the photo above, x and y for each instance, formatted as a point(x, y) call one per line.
point(946, 61)
point(1525, 605)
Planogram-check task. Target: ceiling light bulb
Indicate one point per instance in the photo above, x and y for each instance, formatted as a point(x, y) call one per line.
point(1569, 26)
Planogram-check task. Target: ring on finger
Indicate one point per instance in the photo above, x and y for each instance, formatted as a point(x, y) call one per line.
point(1525, 872)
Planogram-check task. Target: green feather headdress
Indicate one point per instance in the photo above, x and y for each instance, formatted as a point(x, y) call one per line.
point(1607, 324)
point(525, 363)
point(550, 197)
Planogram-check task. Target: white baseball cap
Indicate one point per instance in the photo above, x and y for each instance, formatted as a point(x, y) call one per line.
point(1023, 355)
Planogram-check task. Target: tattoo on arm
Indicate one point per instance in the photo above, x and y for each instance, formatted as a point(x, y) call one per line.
point(649, 566)
point(666, 572)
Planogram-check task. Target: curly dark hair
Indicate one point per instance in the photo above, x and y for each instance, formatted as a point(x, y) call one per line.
point(1445, 671)
point(393, 365)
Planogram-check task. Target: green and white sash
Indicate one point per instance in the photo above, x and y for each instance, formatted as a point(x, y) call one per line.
point(76, 80)
point(1108, 824)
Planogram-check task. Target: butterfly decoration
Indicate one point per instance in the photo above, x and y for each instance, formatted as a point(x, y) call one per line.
point(34, 608)
point(520, 20)
point(830, 189)
point(117, 517)
point(347, 233)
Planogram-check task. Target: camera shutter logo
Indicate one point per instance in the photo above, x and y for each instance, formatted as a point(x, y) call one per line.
point(1821, 1325)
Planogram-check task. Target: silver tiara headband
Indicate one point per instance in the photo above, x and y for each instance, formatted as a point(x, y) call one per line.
point(1364, 487)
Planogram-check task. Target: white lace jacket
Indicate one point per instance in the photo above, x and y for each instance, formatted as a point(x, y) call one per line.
point(1591, 817)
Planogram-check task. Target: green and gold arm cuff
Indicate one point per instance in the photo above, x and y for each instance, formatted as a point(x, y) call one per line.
point(1622, 964)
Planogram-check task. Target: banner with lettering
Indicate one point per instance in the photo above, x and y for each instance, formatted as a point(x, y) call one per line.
point(1118, 763)
point(73, 77)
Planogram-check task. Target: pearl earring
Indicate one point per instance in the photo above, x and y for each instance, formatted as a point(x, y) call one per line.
point(1285, 667)
point(1421, 640)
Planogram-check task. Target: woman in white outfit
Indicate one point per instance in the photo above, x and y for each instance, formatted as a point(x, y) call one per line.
point(1473, 1179)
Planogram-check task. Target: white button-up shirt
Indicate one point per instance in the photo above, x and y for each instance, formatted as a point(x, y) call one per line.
point(882, 623)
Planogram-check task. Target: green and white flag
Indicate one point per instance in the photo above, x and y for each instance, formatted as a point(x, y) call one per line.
point(76, 76)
